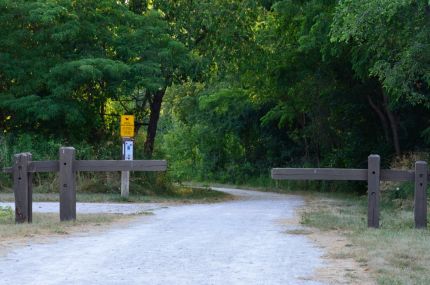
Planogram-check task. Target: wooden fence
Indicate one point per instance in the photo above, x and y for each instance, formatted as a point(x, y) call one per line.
point(23, 169)
point(373, 175)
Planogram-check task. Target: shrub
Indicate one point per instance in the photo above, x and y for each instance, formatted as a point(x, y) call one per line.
point(46, 148)
point(6, 214)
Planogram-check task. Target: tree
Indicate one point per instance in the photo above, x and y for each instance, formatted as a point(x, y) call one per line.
point(218, 31)
point(389, 41)
point(65, 62)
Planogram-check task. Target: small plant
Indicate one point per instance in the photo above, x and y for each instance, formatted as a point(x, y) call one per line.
point(403, 191)
point(6, 214)
point(399, 193)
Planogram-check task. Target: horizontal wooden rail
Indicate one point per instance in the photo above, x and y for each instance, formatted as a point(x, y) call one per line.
point(339, 174)
point(318, 174)
point(39, 166)
point(397, 175)
point(7, 170)
point(97, 165)
point(120, 165)
point(67, 166)
point(44, 166)
point(373, 175)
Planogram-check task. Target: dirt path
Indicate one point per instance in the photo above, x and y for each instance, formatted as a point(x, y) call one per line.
point(235, 242)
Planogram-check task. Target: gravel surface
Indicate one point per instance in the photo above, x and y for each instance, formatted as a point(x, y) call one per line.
point(92, 208)
point(235, 242)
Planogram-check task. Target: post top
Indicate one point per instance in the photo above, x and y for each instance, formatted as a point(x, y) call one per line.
point(22, 154)
point(67, 147)
point(421, 162)
point(374, 156)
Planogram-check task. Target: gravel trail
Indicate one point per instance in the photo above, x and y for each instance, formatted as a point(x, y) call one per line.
point(235, 242)
point(93, 208)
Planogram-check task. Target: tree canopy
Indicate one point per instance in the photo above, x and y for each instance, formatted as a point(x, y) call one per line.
point(66, 63)
point(229, 88)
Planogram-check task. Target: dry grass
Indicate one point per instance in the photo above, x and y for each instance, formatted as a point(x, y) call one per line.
point(394, 254)
point(49, 225)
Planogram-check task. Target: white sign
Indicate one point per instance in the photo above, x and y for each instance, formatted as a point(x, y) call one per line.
point(128, 150)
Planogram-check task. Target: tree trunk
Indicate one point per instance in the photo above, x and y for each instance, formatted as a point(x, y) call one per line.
point(155, 106)
point(386, 116)
point(302, 123)
point(382, 118)
point(393, 125)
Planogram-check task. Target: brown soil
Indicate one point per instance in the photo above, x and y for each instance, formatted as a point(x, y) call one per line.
point(340, 266)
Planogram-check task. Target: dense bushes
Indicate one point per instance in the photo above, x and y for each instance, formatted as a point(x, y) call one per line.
point(44, 148)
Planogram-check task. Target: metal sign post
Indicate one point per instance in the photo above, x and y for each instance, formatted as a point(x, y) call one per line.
point(127, 134)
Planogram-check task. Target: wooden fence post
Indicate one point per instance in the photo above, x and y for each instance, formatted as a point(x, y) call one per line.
point(67, 184)
point(373, 177)
point(30, 190)
point(21, 187)
point(420, 209)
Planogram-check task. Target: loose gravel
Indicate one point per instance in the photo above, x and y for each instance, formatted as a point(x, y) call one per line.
point(92, 208)
point(234, 242)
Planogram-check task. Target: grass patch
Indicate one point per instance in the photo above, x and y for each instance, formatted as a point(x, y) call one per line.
point(299, 232)
point(48, 224)
point(395, 254)
point(177, 195)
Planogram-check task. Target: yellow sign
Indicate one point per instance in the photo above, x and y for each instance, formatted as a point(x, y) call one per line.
point(127, 120)
point(127, 131)
point(127, 126)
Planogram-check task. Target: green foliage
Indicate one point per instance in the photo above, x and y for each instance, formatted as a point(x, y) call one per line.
point(302, 87)
point(216, 30)
point(404, 191)
point(63, 63)
point(6, 214)
point(392, 44)
point(46, 148)
point(216, 137)
point(246, 85)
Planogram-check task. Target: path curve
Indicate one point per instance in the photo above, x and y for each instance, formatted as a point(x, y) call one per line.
point(234, 242)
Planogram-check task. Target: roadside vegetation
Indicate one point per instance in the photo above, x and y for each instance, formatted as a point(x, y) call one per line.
point(96, 187)
point(393, 254)
point(396, 253)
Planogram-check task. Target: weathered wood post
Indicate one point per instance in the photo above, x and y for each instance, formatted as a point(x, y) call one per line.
point(420, 209)
point(67, 184)
point(21, 185)
point(30, 190)
point(373, 178)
